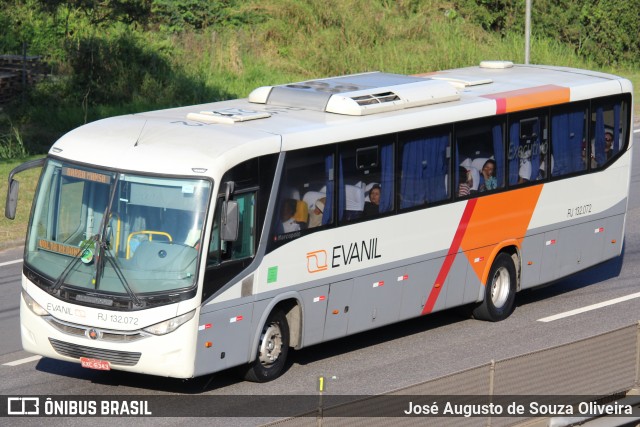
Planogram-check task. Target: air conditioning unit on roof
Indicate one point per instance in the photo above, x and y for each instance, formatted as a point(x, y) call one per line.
point(358, 94)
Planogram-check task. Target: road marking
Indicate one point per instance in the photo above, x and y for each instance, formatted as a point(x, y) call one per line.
point(21, 361)
point(636, 131)
point(589, 308)
point(2, 264)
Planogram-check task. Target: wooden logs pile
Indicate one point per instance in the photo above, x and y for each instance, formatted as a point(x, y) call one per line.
point(12, 69)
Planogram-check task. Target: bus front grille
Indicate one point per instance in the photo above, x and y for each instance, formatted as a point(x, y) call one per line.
point(105, 335)
point(124, 358)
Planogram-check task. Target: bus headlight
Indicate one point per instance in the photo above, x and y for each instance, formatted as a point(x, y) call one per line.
point(33, 305)
point(170, 325)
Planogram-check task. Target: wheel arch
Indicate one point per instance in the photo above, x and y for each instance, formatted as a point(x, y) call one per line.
point(291, 305)
point(511, 247)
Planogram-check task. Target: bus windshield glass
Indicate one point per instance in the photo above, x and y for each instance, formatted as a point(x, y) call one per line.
point(116, 234)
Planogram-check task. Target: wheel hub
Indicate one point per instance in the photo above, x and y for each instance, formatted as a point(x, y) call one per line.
point(500, 287)
point(270, 344)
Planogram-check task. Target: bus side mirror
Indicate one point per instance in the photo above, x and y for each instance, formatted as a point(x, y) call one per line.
point(230, 221)
point(12, 199)
point(12, 191)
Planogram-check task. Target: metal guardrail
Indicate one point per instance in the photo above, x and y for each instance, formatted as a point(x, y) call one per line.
point(604, 365)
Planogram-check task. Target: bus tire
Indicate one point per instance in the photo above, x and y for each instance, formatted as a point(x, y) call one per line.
point(500, 290)
point(273, 348)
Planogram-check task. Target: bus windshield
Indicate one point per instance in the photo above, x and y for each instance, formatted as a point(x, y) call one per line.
point(116, 234)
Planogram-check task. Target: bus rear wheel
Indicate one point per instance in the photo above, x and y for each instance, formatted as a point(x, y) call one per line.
point(273, 348)
point(500, 290)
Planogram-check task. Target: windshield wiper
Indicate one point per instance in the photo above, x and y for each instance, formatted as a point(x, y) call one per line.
point(102, 245)
point(120, 274)
point(104, 253)
point(60, 280)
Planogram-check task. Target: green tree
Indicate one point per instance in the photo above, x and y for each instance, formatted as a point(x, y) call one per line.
point(612, 30)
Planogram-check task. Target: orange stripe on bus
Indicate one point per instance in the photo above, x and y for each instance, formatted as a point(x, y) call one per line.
point(451, 255)
point(495, 219)
point(486, 222)
point(522, 99)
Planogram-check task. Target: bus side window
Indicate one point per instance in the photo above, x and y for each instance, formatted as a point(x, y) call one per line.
point(244, 245)
point(248, 183)
point(424, 167)
point(569, 149)
point(480, 150)
point(528, 146)
point(366, 178)
point(607, 123)
point(306, 194)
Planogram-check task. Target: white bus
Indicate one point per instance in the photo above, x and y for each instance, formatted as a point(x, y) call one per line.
point(187, 241)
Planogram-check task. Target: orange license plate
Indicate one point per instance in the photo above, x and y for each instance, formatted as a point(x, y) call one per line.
point(101, 365)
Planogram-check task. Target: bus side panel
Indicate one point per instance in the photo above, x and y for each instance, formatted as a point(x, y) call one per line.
point(591, 252)
point(558, 253)
point(416, 291)
point(613, 237)
point(581, 246)
point(229, 332)
point(315, 303)
point(602, 240)
point(571, 240)
point(376, 299)
point(462, 285)
point(549, 266)
point(531, 251)
point(337, 318)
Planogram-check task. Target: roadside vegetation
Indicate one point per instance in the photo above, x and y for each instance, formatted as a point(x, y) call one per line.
point(114, 57)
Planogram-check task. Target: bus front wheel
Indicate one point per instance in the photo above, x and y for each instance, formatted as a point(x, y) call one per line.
point(273, 348)
point(500, 290)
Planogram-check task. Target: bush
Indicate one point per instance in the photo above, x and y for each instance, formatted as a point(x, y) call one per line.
point(112, 69)
point(11, 145)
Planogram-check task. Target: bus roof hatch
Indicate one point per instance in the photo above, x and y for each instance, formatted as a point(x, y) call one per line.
point(358, 94)
point(227, 116)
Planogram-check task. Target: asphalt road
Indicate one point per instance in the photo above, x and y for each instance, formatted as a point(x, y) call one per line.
point(368, 363)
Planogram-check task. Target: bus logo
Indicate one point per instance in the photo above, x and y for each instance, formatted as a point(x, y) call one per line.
point(93, 334)
point(317, 261)
point(23, 406)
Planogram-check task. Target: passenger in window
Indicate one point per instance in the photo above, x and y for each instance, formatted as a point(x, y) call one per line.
point(489, 175)
point(594, 164)
point(524, 171)
point(288, 211)
point(372, 207)
point(466, 182)
point(542, 169)
point(301, 215)
point(316, 211)
point(608, 144)
point(353, 201)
